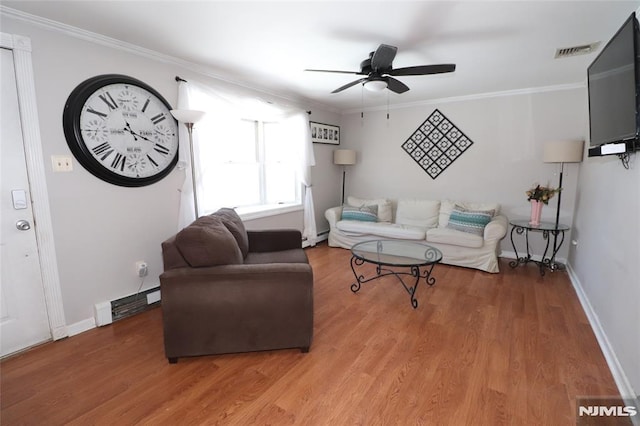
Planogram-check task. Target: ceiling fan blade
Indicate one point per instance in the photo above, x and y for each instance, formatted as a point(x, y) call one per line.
point(396, 85)
point(423, 70)
point(346, 86)
point(339, 72)
point(383, 57)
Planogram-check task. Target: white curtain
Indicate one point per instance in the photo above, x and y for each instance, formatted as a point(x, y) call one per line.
point(224, 112)
point(297, 125)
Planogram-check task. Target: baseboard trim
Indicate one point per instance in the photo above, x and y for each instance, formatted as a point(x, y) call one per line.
point(622, 382)
point(81, 326)
point(321, 237)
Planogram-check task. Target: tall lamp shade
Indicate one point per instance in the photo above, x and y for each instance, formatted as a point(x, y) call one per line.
point(189, 117)
point(569, 151)
point(344, 157)
point(563, 152)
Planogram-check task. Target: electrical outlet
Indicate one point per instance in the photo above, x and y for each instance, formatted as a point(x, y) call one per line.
point(142, 268)
point(61, 163)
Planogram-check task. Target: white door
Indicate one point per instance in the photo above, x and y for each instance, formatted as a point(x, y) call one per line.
point(23, 314)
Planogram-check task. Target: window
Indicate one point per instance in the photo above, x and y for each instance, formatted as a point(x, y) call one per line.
point(252, 168)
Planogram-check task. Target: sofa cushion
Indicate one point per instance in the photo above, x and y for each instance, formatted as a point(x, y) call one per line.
point(385, 208)
point(381, 229)
point(470, 221)
point(446, 207)
point(234, 224)
point(362, 213)
point(453, 237)
point(208, 242)
point(283, 256)
point(423, 213)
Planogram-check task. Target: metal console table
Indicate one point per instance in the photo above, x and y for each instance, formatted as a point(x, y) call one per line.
point(548, 229)
point(399, 254)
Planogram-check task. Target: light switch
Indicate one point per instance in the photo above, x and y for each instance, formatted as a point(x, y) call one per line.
point(61, 163)
point(19, 197)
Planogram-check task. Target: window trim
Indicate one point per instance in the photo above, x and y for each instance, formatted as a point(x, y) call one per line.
point(267, 210)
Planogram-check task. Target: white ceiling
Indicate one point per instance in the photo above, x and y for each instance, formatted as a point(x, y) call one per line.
point(497, 45)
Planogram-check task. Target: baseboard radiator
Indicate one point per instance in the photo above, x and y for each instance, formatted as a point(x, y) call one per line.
point(108, 312)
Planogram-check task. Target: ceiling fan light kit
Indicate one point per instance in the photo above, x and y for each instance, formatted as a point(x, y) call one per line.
point(379, 71)
point(375, 85)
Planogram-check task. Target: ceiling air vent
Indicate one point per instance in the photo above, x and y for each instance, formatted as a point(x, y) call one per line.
point(584, 49)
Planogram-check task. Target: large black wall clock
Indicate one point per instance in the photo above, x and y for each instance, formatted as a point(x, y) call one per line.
point(121, 130)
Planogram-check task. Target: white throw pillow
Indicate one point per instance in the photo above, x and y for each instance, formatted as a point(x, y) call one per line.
point(385, 209)
point(423, 213)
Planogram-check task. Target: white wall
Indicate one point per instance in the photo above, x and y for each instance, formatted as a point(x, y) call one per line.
point(606, 260)
point(508, 133)
point(101, 230)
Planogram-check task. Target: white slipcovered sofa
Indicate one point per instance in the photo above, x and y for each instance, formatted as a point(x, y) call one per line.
point(475, 246)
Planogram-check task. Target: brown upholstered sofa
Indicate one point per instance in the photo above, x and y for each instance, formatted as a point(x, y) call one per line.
point(225, 289)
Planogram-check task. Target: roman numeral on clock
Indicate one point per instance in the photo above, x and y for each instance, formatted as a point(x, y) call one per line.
point(161, 149)
point(98, 113)
point(107, 99)
point(103, 148)
point(118, 162)
point(146, 104)
point(158, 118)
point(151, 160)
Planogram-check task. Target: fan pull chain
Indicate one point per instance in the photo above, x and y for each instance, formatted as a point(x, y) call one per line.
point(362, 101)
point(387, 104)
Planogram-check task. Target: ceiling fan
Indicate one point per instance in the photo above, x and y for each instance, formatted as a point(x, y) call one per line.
point(380, 72)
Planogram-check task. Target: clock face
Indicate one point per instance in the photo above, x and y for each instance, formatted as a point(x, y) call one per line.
point(121, 130)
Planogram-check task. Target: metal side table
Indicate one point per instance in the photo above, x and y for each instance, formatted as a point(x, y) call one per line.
point(548, 229)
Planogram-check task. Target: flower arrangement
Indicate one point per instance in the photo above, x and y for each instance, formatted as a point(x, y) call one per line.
point(542, 193)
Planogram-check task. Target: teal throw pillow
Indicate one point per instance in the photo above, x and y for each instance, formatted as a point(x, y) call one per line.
point(363, 213)
point(470, 221)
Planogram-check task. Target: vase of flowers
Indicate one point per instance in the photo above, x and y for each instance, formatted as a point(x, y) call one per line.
point(539, 196)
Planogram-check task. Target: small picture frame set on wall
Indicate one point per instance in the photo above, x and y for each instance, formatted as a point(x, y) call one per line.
point(325, 133)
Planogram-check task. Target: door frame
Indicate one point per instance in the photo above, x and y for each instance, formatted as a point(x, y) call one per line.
point(25, 81)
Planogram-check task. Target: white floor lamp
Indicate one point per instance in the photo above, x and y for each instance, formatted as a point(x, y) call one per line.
point(189, 117)
point(562, 152)
point(344, 157)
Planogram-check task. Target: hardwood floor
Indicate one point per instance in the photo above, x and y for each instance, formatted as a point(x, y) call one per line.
point(483, 349)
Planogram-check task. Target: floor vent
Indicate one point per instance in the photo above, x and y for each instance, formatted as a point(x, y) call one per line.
point(585, 49)
point(131, 305)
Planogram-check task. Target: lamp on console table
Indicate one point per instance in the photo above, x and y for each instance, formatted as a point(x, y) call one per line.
point(189, 117)
point(344, 157)
point(570, 151)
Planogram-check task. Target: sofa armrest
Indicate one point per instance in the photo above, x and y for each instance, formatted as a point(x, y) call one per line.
point(183, 276)
point(496, 229)
point(333, 216)
point(201, 286)
point(274, 240)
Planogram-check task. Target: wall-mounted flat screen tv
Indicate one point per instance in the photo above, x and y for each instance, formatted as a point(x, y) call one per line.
point(614, 93)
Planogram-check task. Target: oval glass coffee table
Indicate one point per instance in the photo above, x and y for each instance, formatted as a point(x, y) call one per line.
point(418, 257)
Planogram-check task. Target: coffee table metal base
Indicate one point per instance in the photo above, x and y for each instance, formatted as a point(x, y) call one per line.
point(415, 272)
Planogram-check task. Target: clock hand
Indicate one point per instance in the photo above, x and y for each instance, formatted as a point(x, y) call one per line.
point(128, 128)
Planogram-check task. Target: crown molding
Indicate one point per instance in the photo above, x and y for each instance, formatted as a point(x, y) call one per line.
point(124, 46)
point(474, 97)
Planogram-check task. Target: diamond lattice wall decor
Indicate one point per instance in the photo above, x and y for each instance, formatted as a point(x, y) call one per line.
point(436, 144)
